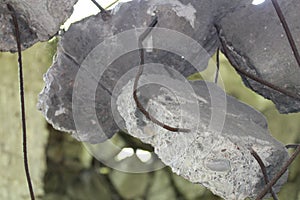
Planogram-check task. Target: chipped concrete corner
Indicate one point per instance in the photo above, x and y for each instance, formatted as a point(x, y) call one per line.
point(38, 20)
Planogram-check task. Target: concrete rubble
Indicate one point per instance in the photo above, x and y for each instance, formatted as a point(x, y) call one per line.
point(216, 153)
point(38, 20)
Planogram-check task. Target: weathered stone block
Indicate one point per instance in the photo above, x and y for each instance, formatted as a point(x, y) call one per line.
point(216, 153)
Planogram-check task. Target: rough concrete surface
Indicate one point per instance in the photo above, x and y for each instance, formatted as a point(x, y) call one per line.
point(38, 20)
point(198, 23)
point(77, 49)
point(216, 157)
point(256, 41)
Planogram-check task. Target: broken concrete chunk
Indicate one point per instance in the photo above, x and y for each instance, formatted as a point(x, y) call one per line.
point(256, 41)
point(95, 54)
point(38, 20)
point(216, 153)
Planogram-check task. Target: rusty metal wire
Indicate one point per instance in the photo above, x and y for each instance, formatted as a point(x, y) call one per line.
point(287, 30)
point(279, 174)
point(142, 37)
point(98, 6)
point(22, 98)
point(256, 78)
point(264, 171)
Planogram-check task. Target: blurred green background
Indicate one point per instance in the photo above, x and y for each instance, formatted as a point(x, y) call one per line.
point(61, 168)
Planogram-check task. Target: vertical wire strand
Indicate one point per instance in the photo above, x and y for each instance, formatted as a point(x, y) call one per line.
point(218, 65)
point(264, 171)
point(287, 30)
point(22, 100)
point(142, 37)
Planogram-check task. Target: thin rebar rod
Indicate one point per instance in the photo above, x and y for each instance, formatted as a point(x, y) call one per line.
point(264, 171)
point(98, 6)
point(278, 175)
point(104, 13)
point(142, 37)
point(218, 65)
point(287, 30)
point(22, 99)
point(266, 83)
point(254, 77)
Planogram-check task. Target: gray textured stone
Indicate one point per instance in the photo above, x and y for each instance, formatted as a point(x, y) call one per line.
point(256, 42)
point(89, 48)
point(38, 20)
point(216, 153)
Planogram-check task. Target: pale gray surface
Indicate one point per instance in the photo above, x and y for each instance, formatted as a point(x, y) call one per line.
point(38, 20)
point(256, 42)
point(221, 161)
